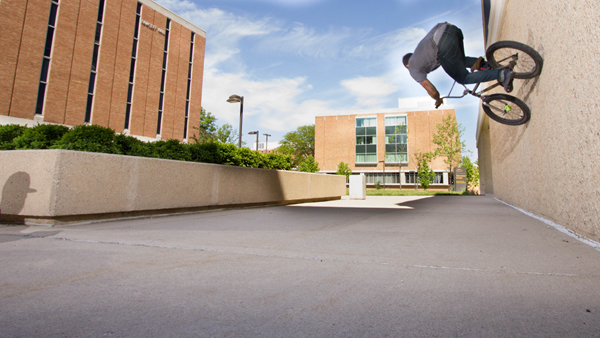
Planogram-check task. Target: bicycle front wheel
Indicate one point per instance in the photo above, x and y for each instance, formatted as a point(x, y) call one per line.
point(523, 60)
point(506, 109)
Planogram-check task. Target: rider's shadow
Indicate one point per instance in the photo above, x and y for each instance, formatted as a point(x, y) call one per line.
point(14, 193)
point(513, 135)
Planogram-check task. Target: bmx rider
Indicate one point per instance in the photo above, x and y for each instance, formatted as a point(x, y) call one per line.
point(443, 45)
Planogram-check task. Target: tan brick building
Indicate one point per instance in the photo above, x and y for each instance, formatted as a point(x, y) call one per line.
point(130, 65)
point(366, 140)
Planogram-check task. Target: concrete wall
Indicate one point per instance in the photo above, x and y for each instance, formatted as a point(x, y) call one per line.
point(551, 165)
point(60, 186)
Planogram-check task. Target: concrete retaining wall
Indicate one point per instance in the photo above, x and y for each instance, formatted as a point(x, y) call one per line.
point(59, 186)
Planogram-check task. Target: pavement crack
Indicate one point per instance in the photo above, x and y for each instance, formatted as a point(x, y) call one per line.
point(321, 257)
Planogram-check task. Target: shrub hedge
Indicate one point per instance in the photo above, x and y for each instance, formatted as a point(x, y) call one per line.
point(99, 139)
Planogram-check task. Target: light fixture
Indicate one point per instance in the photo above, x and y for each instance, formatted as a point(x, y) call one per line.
point(267, 143)
point(240, 99)
point(252, 133)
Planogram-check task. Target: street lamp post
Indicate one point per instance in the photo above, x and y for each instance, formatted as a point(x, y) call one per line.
point(267, 143)
point(252, 133)
point(240, 99)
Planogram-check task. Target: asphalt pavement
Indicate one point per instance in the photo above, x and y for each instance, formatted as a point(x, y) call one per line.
point(444, 266)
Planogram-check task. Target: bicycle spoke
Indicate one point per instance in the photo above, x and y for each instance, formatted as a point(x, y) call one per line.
point(523, 62)
point(505, 109)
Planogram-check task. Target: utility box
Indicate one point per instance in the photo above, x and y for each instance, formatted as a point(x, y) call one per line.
point(358, 187)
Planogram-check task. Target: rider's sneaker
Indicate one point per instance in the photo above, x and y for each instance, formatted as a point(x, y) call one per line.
point(507, 81)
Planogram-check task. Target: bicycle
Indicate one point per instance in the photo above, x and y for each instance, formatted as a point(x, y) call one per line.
point(525, 62)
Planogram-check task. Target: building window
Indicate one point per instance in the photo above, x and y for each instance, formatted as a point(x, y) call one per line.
point(396, 140)
point(163, 79)
point(39, 108)
point(366, 140)
point(410, 178)
point(136, 35)
point(94, 68)
point(389, 178)
point(189, 88)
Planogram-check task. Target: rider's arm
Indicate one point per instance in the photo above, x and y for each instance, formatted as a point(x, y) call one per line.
point(433, 92)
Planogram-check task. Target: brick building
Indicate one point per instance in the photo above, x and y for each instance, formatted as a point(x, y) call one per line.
point(130, 65)
point(366, 140)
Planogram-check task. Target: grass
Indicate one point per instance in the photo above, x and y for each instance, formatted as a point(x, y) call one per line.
point(409, 192)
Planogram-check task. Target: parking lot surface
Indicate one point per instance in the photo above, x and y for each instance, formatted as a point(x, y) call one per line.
point(445, 266)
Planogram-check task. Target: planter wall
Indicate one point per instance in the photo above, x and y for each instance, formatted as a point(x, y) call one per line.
point(59, 186)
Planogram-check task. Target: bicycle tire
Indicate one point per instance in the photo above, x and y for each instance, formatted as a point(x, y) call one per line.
point(506, 104)
point(530, 65)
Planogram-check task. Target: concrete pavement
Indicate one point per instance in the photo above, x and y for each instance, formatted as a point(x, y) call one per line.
point(383, 267)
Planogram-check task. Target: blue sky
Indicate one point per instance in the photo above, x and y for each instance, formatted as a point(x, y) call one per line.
point(295, 59)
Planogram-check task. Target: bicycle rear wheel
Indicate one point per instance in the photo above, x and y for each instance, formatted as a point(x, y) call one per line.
point(523, 60)
point(506, 109)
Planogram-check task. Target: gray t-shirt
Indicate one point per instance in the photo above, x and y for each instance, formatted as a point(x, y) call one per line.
point(424, 60)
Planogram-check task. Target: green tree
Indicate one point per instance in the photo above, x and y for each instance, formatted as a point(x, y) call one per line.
point(426, 174)
point(300, 144)
point(448, 139)
point(227, 134)
point(472, 172)
point(344, 169)
point(209, 131)
point(309, 165)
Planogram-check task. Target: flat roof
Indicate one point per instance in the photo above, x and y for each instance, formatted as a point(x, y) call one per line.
point(166, 12)
point(405, 105)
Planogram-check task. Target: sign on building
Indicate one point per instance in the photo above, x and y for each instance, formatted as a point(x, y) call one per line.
point(460, 178)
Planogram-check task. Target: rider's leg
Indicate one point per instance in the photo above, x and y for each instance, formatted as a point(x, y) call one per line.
point(477, 65)
point(452, 58)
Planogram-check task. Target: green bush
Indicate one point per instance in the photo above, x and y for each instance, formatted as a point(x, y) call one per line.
point(90, 138)
point(129, 145)
point(171, 150)
point(95, 138)
point(249, 158)
point(309, 165)
point(229, 154)
point(277, 161)
point(8, 133)
point(204, 152)
point(42, 136)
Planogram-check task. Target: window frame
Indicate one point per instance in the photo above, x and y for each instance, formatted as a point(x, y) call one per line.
point(396, 137)
point(369, 134)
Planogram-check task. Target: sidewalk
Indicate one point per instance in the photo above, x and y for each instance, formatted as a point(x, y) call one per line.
point(382, 267)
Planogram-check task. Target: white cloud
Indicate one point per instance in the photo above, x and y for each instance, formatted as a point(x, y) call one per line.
point(293, 3)
point(307, 42)
point(272, 104)
point(369, 91)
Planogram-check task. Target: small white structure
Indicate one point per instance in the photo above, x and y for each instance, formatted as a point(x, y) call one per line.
point(358, 187)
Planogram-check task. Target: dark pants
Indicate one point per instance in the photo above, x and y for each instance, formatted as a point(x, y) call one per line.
point(451, 54)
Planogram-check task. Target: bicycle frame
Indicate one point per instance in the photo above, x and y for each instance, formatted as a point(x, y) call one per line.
point(470, 91)
point(476, 94)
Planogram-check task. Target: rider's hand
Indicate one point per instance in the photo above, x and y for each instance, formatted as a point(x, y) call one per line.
point(438, 103)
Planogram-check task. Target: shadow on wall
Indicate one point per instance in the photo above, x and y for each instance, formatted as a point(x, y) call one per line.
point(14, 193)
